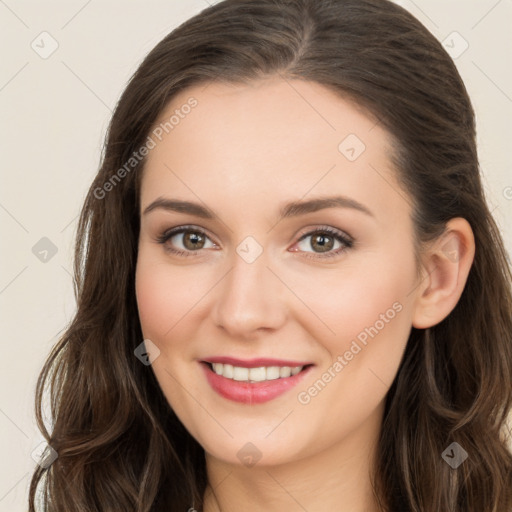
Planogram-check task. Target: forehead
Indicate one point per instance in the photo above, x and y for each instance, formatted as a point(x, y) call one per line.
point(267, 139)
point(288, 110)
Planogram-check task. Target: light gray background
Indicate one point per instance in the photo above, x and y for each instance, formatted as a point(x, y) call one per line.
point(54, 114)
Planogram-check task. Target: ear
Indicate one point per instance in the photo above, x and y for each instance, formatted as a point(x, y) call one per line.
point(446, 265)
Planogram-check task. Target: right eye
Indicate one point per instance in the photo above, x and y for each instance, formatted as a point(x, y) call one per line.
point(185, 240)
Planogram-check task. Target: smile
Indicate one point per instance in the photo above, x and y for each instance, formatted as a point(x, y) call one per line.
point(258, 374)
point(252, 385)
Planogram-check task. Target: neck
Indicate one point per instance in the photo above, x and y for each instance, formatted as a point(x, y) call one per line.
point(337, 478)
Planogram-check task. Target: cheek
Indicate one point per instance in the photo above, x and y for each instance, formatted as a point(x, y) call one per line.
point(365, 307)
point(170, 298)
point(370, 313)
point(162, 294)
point(152, 301)
point(163, 300)
point(353, 300)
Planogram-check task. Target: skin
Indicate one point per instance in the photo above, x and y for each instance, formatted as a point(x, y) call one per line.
point(243, 152)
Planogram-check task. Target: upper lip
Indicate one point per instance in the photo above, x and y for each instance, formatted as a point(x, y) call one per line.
point(255, 363)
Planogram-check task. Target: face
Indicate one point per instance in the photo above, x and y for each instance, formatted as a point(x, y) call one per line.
point(274, 235)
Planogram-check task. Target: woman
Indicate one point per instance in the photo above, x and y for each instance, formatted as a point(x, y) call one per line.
point(290, 290)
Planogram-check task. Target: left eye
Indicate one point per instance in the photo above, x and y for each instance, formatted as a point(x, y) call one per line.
point(324, 241)
point(320, 242)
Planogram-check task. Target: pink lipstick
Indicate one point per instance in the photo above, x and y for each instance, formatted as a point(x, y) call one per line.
point(253, 381)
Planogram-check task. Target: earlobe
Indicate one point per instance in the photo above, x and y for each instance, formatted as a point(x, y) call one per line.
point(446, 268)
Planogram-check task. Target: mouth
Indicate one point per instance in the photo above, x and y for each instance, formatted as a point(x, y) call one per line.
point(254, 374)
point(254, 384)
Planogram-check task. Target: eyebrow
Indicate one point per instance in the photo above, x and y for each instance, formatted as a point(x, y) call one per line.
point(292, 209)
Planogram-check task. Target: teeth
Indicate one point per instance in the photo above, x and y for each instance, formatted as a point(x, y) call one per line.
point(286, 371)
point(227, 371)
point(255, 374)
point(239, 373)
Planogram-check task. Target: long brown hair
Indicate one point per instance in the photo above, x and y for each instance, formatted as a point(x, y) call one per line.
point(119, 444)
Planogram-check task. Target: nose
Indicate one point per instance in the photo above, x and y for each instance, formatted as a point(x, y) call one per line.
point(250, 299)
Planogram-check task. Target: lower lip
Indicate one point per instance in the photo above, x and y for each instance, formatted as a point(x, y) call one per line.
point(251, 392)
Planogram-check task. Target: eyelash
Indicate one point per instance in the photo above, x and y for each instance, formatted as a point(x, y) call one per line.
point(337, 235)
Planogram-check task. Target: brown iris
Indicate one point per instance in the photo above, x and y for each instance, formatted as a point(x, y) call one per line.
point(323, 242)
point(193, 240)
